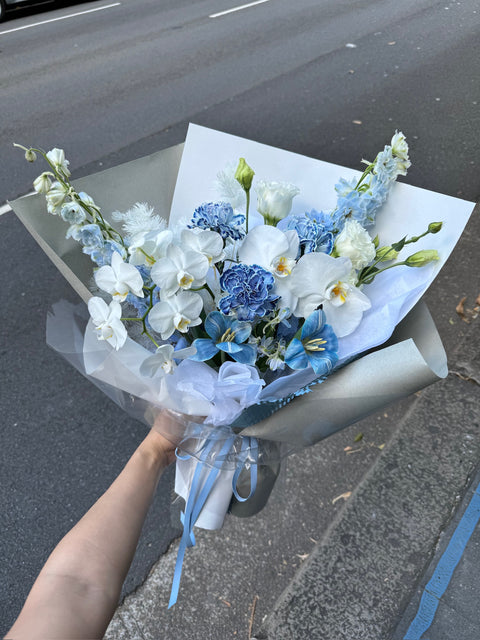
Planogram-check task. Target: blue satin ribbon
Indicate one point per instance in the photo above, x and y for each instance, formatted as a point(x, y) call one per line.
point(248, 444)
point(199, 493)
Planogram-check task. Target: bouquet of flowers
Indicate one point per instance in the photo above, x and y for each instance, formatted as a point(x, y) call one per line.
point(240, 307)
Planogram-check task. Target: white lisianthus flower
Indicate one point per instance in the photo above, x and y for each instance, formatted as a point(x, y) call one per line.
point(42, 184)
point(179, 312)
point(354, 242)
point(119, 279)
point(318, 279)
point(56, 196)
point(146, 248)
point(57, 158)
point(274, 200)
point(179, 270)
point(208, 243)
point(106, 318)
point(163, 361)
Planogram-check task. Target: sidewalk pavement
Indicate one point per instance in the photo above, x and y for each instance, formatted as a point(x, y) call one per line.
point(321, 563)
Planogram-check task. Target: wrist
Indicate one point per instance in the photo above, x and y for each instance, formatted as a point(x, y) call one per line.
point(157, 449)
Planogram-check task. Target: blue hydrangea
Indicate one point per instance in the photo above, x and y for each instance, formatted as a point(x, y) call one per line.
point(248, 289)
point(219, 217)
point(328, 220)
point(312, 235)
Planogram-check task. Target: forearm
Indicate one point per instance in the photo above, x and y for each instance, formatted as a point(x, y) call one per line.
point(77, 590)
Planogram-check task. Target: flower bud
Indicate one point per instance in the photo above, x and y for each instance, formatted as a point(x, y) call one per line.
point(30, 154)
point(57, 159)
point(384, 254)
point(434, 227)
point(244, 174)
point(421, 258)
point(42, 184)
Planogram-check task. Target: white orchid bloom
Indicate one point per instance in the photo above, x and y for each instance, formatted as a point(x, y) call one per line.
point(318, 279)
point(179, 312)
point(57, 158)
point(270, 248)
point(147, 247)
point(274, 199)
point(276, 251)
point(354, 242)
point(119, 279)
point(179, 270)
point(163, 361)
point(106, 318)
point(208, 243)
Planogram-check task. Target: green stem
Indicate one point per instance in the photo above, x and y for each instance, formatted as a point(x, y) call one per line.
point(397, 264)
point(247, 210)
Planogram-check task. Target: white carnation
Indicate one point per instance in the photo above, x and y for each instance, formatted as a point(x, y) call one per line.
point(355, 243)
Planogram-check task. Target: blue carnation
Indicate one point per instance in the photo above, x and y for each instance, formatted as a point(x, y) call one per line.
point(248, 290)
point(219, 217)
point(312, 235)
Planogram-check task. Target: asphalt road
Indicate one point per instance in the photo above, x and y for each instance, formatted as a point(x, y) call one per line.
point(328, 79)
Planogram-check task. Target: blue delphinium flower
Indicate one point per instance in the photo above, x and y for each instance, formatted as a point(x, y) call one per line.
point(312, 235)
point(73, 213)
point(103, 255)
point(248, 290)
point(90, 235)
point(226, 334)
point(142, 305)
point(386, 167)
point(219, 217)
point(317, 346)
point(354, 206)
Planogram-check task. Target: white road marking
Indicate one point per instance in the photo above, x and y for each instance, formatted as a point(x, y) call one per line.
point(71, 15)
point(243, 6)
point(5, 209)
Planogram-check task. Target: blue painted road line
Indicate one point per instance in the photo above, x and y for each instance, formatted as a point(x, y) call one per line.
point(440, 580)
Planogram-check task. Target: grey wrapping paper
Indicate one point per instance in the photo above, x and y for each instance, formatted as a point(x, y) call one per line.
point(412, 359)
